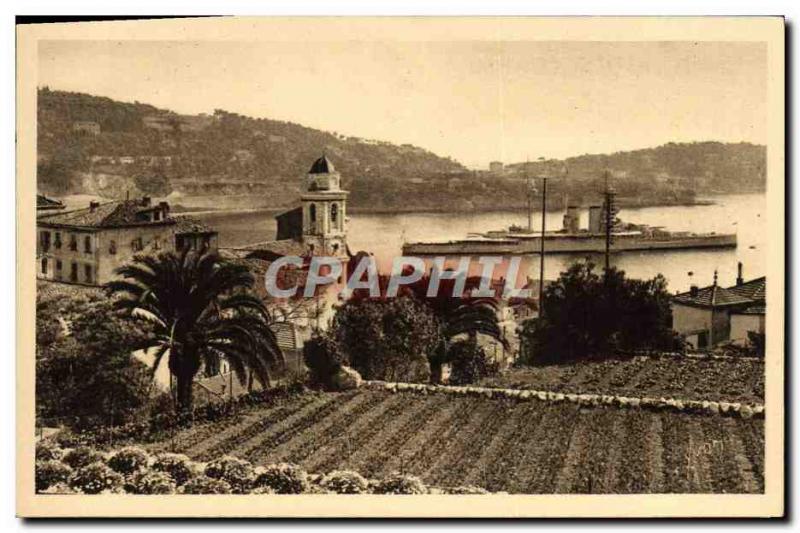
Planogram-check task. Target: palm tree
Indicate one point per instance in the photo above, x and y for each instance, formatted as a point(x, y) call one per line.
point(202, 313)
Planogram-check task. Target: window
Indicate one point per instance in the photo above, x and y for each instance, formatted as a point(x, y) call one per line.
point(156, 244)
point(57, 242)
point(58, 268)
point(312, 212)
point(44, 265)
point(73, 272)
point(45, 240)
point(87, 244)
point(136, 244)
point(157, 216)
point(87, 273)
point(73, 243)
point(112, 247)
point(334, 213)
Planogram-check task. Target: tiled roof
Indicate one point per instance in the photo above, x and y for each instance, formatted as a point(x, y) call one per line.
point(271, 250)
point(110, 214)
point(43, 202)
point(187, 224)
point(752, 290)
point(711, 296)
point(753, 310)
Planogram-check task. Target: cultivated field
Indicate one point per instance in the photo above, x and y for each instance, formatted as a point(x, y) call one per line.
point(500, 445)
point(732, 380)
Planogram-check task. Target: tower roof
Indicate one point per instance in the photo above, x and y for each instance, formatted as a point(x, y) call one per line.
point(322, 165)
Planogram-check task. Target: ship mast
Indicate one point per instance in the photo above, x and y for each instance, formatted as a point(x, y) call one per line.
point(529, 194)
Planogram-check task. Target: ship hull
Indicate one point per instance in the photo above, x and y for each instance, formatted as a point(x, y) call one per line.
point(568, 244)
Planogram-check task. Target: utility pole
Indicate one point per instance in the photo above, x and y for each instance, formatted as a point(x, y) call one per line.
point(609, 219)
point(541, 248)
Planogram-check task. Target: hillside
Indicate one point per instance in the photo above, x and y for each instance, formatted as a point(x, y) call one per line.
point(144, 149)
point(501, 445)
point(95, 145)
point(699, 167)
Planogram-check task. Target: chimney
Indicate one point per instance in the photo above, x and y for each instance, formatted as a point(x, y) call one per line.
point(145, 201)
point(739, 278)
point(693, 290)
point(93, 205)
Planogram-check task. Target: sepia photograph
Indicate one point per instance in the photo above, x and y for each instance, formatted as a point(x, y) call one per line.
point(443, 266)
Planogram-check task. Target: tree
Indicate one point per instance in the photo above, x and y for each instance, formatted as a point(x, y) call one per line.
point(389, 339)
point(323, 357)
point(201, 312)
point(454, 316)
point(586, 314)
point(85, 374)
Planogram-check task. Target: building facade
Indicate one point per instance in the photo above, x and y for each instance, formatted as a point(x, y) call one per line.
point(86, 246)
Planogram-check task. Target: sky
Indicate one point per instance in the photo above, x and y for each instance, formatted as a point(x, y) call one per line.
point(474, 101)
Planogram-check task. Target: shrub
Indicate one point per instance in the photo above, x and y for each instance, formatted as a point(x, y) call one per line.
point(469, 363)
point(468, 489)
point(66, 438)
point(262, 490)
point(345, 482)
point(400, 484)
point(205, 485)
point(283, 478)
point(82, 456)
point(50, 472)
point(96, 478)
point(153, 482)
point(238, 473)
point(129, 460)
point(323, 359)
point(48, 450)
point(180, 468)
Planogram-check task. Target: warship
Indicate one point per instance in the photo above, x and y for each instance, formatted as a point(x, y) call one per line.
point(571, 238)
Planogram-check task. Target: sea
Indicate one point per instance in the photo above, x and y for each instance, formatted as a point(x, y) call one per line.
point(384, 234)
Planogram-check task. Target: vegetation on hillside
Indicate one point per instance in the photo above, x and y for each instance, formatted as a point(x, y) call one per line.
point(85, 372)
point(207, 153)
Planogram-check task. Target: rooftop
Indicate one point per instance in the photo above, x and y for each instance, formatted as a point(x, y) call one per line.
point(106, 215)
point(716, 296)
point(755, 289)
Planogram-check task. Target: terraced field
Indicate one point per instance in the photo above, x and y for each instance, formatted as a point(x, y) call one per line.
point(501, 445)
point(733, 380)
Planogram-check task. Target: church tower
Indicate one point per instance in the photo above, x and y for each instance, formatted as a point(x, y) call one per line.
point(324, 206)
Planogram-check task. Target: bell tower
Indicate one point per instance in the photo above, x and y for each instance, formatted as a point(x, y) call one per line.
point(324, 206)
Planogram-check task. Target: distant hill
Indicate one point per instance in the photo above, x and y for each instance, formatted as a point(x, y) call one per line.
point(95, 145)
point(703, 167)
